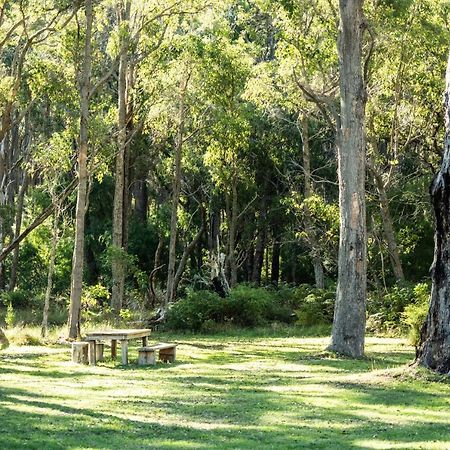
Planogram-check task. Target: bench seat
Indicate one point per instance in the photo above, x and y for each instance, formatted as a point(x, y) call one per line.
point(167, 353)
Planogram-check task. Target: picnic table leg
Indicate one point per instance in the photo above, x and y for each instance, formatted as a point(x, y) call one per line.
point(124, 351)
point(92, 351)
point(113, 349)
point(145, 341)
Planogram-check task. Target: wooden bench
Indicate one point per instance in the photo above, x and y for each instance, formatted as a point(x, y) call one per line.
point(167, 353)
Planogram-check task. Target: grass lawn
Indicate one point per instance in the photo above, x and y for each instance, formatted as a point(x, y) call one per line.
point(224, 392)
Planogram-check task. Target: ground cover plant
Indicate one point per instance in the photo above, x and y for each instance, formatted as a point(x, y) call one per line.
point(248, 389)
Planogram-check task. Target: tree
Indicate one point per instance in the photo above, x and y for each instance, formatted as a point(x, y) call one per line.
point(350, 309)
point(82, 195)
point(434, 349)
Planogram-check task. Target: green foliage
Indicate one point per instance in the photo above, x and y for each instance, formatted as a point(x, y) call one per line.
point(248, 306)
point(194, 310)
point(10, 318)
point(94, 302)
point(386, 310)
point(415, 314)
point(316, 306)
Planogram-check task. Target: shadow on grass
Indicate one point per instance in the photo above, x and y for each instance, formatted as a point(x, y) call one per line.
point(212, 406)
point(238, 420)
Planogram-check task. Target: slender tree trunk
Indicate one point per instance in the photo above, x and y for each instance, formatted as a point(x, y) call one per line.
point(141, 201)
point(51, 271)
point(434, 349)
point(350, 310)
point(219, 281)
point(310, 231)
point(17, 227)
point(78, 252)
point(232, 233)
point(118, 258)
point(176, 191)
point(260, 245)
point(276, 253)
point(388, 226)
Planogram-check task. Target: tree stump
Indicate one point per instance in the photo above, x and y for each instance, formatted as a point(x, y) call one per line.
point(80, 352)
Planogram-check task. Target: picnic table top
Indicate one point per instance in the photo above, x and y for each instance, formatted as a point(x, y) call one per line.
point(120, 334)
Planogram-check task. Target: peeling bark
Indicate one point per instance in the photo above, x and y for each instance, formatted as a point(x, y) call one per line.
point(434, 349)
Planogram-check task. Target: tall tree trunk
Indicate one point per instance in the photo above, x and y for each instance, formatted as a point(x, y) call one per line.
point(76, 284)
point(434, 349)
point(310, 231)
point(118, 258)
point(51, 271)
point(176, 191)
point(350, 309)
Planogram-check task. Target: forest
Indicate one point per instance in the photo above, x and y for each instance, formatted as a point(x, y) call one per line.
point(250, 199)
point(177, 161)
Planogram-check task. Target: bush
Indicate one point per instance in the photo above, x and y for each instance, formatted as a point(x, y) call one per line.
point(415, 314)
point(386, 309)
point(248, 306)
point(194, 310)
point(316, 306)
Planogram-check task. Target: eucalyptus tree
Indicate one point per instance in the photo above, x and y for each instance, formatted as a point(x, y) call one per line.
point(434, 349)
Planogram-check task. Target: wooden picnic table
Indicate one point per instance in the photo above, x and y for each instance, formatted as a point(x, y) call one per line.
point(115, 335)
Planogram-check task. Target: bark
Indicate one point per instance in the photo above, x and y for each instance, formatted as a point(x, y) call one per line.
point(350, 309)
point(176, 192)
point(51, 271)
point(118, 259)
point(434, 349)
point(82, 197)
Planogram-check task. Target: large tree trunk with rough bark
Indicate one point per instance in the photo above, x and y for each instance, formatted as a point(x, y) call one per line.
point(78, 252)
point(350, 309)
point(434, 349)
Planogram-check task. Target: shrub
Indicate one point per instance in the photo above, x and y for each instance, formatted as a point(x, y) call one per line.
point(386, 309)
point(415, 314)
point(248, 306)
point(194, 310)
point(316, 307)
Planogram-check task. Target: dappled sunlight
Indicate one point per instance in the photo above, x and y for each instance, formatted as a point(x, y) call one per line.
point(234, 393)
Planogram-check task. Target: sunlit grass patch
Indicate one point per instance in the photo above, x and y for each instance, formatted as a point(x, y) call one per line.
point(227, 391)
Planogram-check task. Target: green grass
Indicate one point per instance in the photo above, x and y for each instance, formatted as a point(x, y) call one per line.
point(228, 392)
